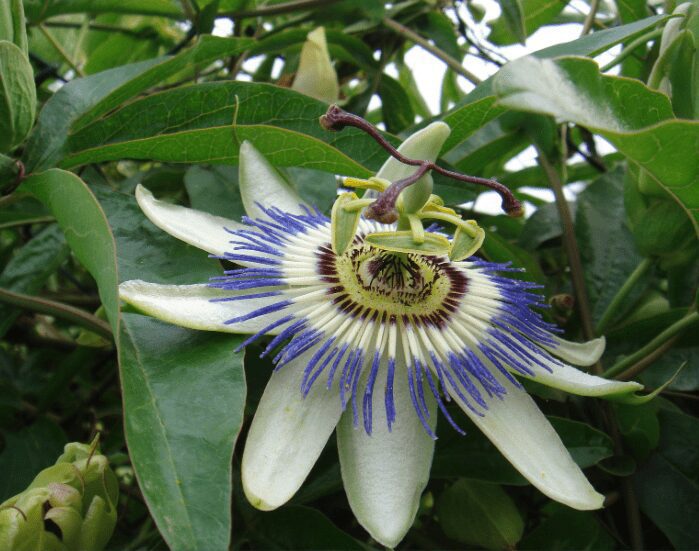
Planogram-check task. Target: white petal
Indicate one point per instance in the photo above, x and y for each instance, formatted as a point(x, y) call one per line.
point(424, 144)
point(578, 353)
point(190, 306)
point(287, 435)
point(261, 183)
point(525, 437)
point(203, 230)
point(384, 474)
point(570, 379)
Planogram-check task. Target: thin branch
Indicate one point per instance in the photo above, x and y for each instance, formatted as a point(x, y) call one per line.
point(631, 47)
point(52, 40)
point(641, 365)
point(590, 18)
point(571, 246)
point(411, 35)
point(59, 310)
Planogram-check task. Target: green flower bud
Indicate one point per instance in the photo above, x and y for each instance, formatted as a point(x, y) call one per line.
point(17, 96)
point(68, 506)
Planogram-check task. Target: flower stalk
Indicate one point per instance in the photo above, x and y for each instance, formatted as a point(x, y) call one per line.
point(336, 119)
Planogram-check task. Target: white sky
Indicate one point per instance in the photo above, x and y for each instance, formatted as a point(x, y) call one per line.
point(431, 72)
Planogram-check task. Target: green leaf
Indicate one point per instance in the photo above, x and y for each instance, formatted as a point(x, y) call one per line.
point(497, 249)
point(663, 229)
point(440, 29)
point(679, 441)
point(670, 500)
point(488, 149)
point(532, 15)
point(47, 143)
point(215, 190)
point(641, 128)
point(479, 514)
point(589, 45)
point(513, 18)
point(119, 49)
point(162, 367)
point(587, 445)
point(565, 528)
point(13, 26)
point(302, 528)
point(38, 10)
point(396, 108)
point(27, 452)
point(469, 118)
point(607, 248)
point(184, 394)
point(542, 225)
point(667, 485)
point(664, 367)
point(30, 267)
point(639, 426)
point(206, 50)
point(196, 124)
point(85, 227)
point(145, 251)
point(17, 96)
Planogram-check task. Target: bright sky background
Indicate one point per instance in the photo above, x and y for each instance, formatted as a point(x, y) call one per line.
point(431, 72)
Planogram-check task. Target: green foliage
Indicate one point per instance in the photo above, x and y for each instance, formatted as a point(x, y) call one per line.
point(140, 92)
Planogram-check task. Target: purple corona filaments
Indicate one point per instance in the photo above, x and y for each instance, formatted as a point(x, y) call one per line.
point(373, 329)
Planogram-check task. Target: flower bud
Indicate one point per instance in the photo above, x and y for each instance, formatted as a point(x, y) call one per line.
point(17, 96)
point(70, 505)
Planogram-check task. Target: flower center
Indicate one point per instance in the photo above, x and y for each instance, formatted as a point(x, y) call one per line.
point(398, 284)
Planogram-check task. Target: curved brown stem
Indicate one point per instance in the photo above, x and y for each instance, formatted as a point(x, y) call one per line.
point(336, 119)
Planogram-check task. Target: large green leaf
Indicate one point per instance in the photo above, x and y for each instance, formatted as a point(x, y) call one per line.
point(174, 449)
point(184, 393)
point(84, 99)
point(479, 106)
point(146, 252)
point(47, 143)
point(206, 123)
point(206, 50)
point(637, 120)
point(85, 227)
point(38, 10)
